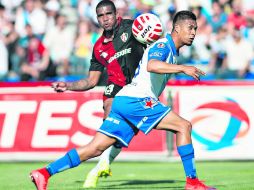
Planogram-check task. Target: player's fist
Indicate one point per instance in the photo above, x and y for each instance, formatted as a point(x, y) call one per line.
point(59, 86)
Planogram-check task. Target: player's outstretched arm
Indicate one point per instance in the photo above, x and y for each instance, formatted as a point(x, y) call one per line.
point(161, 67)
point(81, 85)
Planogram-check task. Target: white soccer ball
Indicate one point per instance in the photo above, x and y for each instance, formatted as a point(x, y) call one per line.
point(147, 28)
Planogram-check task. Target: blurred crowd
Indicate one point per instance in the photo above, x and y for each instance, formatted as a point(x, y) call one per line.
point(53, 39)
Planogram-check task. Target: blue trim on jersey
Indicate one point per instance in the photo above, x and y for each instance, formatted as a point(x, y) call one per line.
point(172, 45)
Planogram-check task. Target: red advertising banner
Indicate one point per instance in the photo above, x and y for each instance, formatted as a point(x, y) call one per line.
point(36, 119)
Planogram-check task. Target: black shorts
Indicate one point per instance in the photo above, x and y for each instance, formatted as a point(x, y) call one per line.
point(111, 90)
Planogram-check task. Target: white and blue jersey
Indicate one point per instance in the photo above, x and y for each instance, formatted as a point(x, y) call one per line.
point(136, 106)
point(147, 84)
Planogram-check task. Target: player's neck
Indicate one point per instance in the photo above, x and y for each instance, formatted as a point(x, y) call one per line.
point(177, 42)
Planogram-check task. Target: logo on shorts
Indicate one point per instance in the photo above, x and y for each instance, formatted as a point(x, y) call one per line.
point(150, 103)
point(124, 37)
point(113, 120)
point(109, 89)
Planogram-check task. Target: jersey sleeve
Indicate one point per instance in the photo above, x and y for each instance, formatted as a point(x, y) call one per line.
point(95, 65)
point(159, 51)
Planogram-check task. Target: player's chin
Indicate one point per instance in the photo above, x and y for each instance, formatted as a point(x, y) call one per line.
point(189, 43)
point(108, 28)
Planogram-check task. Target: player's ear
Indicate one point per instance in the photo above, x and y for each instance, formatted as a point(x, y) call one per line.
point(117, 14)
point(177, 28)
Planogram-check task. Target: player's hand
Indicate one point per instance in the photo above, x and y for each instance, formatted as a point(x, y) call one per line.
point(193, 72)
point(59, 86)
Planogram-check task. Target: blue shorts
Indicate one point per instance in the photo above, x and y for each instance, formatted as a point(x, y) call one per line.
point(129, 114)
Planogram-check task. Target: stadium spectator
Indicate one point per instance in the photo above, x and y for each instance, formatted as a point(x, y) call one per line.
point(218, 17)
point(4, 60)
point(239, 54)
point(8, 39)
point(82, 51)
point(33, 15)
point(218, 51)
point(17, 58)
point(37, 64)
point(23, 41)
point(59, 42)
point(248, 31)
point(11, 6)
point(52, 8)
point(122, 7)
point(145, 6)
point(236, 19)
point(86, 10)
point(201, 46)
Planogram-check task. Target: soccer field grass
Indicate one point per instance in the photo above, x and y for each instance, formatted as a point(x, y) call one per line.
point(135, 175)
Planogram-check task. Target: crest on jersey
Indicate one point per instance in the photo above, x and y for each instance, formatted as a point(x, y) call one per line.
point(104, 55)
point(161, 45)
point(124, 37)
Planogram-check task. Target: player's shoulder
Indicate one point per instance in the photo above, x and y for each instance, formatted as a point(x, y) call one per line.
point(127, 21)
point(159, 44)
point(98, 43)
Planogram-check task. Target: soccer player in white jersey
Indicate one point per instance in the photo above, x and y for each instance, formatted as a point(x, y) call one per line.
point(136, 107)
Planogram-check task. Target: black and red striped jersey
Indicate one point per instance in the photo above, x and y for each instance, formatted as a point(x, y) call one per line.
point(120, 56)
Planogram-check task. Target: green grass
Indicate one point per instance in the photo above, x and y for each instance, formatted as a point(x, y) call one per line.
point(135, 175)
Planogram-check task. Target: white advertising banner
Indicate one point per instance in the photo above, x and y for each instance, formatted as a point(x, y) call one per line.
point(222, 119)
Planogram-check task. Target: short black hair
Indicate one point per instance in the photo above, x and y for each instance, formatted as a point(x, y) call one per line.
point(104, 3)
point(183, 15)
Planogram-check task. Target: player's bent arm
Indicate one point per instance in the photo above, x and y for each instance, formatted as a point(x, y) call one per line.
point(156, 66)
point(161, 67)
point(85, 84)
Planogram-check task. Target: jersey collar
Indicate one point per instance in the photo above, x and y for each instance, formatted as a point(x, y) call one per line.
point(172, 44)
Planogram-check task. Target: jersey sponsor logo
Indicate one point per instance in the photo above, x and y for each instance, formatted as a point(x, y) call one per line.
point(119, 54)
point(124, 37)
point(109, 89)
point(156, 54)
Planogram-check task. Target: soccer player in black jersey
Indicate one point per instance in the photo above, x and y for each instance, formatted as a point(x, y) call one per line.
point(119, 52)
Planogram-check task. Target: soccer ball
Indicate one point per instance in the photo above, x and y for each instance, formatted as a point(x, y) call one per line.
point(147, 28)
